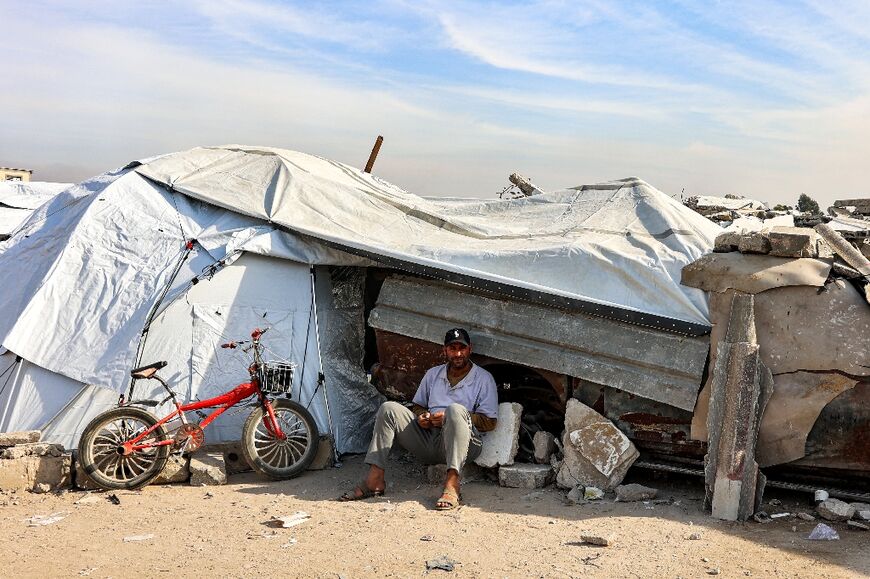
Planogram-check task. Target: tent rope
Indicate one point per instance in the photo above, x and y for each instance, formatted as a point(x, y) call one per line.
point(12, 365)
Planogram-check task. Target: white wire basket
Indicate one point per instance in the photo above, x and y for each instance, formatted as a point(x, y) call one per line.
point(276, 377)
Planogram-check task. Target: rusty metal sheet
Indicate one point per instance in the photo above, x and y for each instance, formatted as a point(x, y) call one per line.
point(717, 272)
point(646, 362)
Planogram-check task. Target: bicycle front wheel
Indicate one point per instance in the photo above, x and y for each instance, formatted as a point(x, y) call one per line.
point(101, 449)
point(280, 458)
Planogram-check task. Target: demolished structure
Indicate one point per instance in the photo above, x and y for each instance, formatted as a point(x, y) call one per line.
point(574, 299)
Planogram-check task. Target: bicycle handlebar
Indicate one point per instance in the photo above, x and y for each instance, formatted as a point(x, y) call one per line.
point(255, 335)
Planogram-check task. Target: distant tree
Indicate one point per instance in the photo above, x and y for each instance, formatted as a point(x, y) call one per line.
point(782, 207)
point(806, 203)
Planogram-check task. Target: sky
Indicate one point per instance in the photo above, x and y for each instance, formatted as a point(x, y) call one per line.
point(758, 98)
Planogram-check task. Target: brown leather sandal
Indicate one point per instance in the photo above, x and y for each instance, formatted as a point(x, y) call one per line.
point(449, 500)
point(364, 493)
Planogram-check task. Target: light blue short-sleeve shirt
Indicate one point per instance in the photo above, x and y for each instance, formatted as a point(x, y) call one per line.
point(476, 391)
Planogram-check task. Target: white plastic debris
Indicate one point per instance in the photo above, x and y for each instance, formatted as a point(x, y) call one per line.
point(137, 538)
point(823, 532)
point(42, 520)
point(296, 518)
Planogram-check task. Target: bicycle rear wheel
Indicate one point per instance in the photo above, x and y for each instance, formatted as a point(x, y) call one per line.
point(280, 458)
point(101, 443)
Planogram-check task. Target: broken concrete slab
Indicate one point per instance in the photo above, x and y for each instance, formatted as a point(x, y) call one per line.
point(857, 526)
point(753, 274)
point(862, 515)
point(545, 446)
point(727, 242)
point(436, 474)
point(844, 249)
point(177, 470)
point(756, 242)
point(835, 510)
point(838, 318)
point(596, 453)
point(793, 242)
point(500, 445)
point(635, 492)
point(32, 449)
point(21, 437)
point(740, 390)
point(525, 476)
point(29, 472)
point(208, 469)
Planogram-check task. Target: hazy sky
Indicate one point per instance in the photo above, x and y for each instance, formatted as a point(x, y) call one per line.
point(760, 98)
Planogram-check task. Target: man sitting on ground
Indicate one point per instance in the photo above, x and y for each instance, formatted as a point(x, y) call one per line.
point(454, 403)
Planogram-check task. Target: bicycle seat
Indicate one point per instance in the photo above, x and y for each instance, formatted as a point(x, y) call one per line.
point(147, 371)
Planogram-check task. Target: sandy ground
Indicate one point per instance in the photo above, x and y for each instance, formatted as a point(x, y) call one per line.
point(498, 532)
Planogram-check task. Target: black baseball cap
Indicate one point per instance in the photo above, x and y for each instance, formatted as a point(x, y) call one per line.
point(457, 335)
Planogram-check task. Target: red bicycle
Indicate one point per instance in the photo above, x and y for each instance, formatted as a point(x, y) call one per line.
point(127, 447)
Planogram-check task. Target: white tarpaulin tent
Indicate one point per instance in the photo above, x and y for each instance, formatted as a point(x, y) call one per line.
point(109, 255)
point(18, 199)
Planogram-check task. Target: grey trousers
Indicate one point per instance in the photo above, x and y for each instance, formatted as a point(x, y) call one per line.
point(454, 443)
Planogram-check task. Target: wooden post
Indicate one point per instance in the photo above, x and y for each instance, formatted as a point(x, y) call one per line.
point(374, 154)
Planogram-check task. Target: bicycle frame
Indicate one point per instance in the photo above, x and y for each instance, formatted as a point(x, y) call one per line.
point(223, 401)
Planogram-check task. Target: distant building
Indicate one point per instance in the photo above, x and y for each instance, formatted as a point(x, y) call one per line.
point(10, 174)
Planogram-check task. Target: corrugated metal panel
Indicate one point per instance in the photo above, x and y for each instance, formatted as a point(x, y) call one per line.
point(649, 363)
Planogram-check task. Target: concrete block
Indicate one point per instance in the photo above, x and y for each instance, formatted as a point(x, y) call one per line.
point(208, 469)
point(754, 243)
point(500, 445)
point(21, 437)
point(436, 474)
point(726, 242)
point(600, 540)
point(325, 457)
point(596, 453)
point(29, 472)
point(576, 496)
point(635, 492)
point(793, 242)
point(32, 449)
point(233, 458)
point(525, 476)
point(545, 446)
point(835, 510)
point(177, 470)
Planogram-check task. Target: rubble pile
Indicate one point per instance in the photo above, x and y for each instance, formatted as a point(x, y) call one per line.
point(31, 465)
point(725, 210)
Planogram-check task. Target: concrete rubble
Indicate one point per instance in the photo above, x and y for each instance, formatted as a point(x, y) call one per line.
point(208, 469)
point(21, 437)
point(596, 453)
point(635, 492)
point(27, 464)
point(600, 540)
point(741, 387)
point(500, 445)
point(525, 476)
point(545, 446)
point(835, 510)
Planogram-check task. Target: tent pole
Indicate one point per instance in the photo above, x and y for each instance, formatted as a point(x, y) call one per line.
point(321, 378)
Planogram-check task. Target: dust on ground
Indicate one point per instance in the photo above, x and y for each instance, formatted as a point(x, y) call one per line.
point(498, 532)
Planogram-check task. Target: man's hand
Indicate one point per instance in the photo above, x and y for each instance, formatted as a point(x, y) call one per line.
point(437, 419)
point(425, 421)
